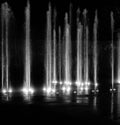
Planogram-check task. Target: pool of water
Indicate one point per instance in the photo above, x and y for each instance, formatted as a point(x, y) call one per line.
point(82, 108)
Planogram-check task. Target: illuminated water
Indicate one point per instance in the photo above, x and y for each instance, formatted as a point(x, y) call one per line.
point(102, 106)
point(79, 65)
point(62, 97)
point(95, 52)
point(5, 19)
point(48, 63)
point(112, 50)
point(27, 77)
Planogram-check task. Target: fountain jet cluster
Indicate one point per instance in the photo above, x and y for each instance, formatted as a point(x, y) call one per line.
point(59, 77)
point(58, 56)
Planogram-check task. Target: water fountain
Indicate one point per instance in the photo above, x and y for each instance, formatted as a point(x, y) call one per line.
point(48, 60)
point(79, 54)
point(5, 19)
point(67, 58)
point(27, 89)
point(95, 52)
point(86, 82)
point(54, 73)
point(112, 53)
point(118, 60)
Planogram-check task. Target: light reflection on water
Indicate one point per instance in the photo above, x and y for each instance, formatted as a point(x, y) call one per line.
point(108, 104)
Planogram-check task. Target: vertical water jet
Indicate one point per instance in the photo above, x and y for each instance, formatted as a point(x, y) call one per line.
point(95, 52)
point(79, 52)
point(112, 51)
point(60, 57)
point(27, 66)
point(48, 58)
point(54, 77)
point(5, 20)
point(67, 51)
point(118, 59)
point(86, 57)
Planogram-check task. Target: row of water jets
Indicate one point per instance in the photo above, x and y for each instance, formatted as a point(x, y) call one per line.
point(58, 61)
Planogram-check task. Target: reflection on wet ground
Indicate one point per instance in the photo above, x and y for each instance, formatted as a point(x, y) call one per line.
point(105, 105)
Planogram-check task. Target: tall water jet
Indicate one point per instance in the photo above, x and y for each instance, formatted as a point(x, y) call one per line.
point(118, 59)
point(27, 67)
point(67, 65)
point(112, 52)
point(54, 77)
point(79, 52)
point(48, 59)
point(86, 63)
point(95, 62)
point(60, 57)
point(5, 19)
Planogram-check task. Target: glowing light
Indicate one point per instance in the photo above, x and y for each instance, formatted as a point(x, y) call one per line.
point(118, 82)
point(86, 88)
point(68, 89)
point(96, 84)
point(54, 82)
point(63, 88)
point(10, 90)
point(48, 90)
point(28, 90)
point(81, 88)
point(74, 92)
point(31, 90)
point(60, 82)
point(114, 89)
point(97, 90)
point(4, 91)
point(44, 89)
point(78, 83)
point(67, 83)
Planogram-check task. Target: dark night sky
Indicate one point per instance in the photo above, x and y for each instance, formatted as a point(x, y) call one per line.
point(38, 26)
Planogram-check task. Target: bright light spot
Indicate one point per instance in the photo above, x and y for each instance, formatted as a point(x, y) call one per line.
point(75, 92)
point(31, 90)
point(68, 89)
point(86, 88)
point(114, 89)
point(60, 82)
point(54, 82)
point(63, 88)
point(44, 89)
point(25, 90)
point(4, 91)
point(28, 90)
point(48, 90)
point(81, 88)
point(118, 81)
point(78, 83)
point(87, 83)
point(10, 90)
point(96, 84)
point(93, 90)
point(97, 90)
point(110, 89)
point(67, 83)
